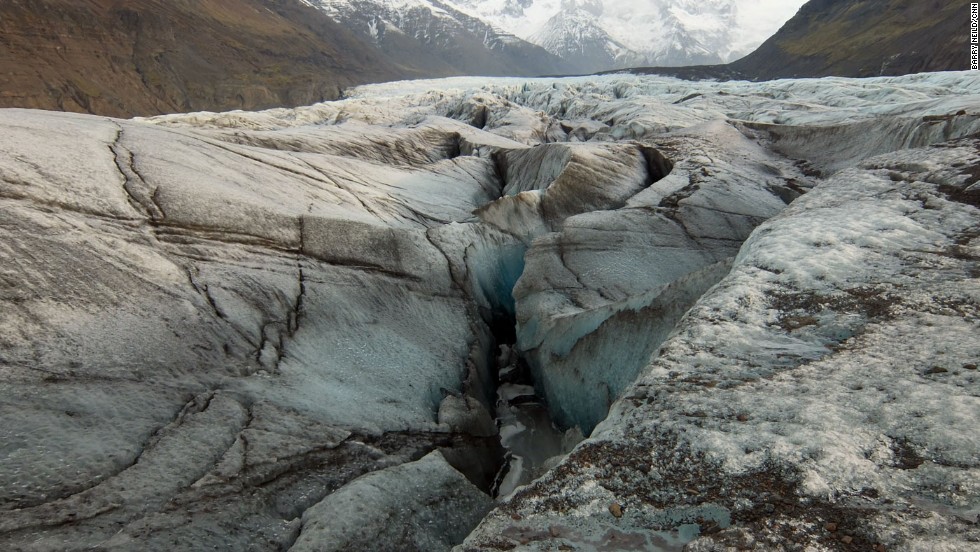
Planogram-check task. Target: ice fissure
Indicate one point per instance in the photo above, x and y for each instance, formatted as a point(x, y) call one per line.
point(551, 392)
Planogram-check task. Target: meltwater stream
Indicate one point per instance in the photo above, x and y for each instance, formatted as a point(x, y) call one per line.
point(532, 441)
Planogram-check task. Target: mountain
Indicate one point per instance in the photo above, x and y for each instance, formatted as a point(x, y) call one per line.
point(844, 38)
point(860, 38)
point(577, 37)
point(122, 58)
point(440, 39)
point(595, 35)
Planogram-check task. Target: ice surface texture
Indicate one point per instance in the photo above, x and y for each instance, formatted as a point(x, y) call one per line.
point(823, 394)
point(210, 323)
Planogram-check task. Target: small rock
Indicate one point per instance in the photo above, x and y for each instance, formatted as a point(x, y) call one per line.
point(830, 527)
point(846, 539)
point(936, 370)
point(616, 510)
point(967, 367)
point(742, 417)
point(516, 517)
point(870, 492)
point(879, 548)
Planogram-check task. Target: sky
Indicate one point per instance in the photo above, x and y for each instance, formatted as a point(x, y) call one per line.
point(760, 19)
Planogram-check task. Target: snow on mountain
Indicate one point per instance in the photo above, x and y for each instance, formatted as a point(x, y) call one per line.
point(601, 34)
point(588, 35)
point(426, 20)
point(439, 38)
point(576, 35)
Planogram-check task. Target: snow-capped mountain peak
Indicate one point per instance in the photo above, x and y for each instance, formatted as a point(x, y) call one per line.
point(575, 34)
point(602, 34)
point(581, 35)
point(440, 37)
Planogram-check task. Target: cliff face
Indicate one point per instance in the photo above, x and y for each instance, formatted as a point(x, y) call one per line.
point(125, 58)
point(865, 38)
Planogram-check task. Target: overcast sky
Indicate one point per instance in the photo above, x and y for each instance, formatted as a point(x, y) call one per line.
point(762, 18)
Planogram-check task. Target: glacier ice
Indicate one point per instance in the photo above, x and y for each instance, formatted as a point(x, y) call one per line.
point(422, 505)
point(825, 386)
point(211, 323)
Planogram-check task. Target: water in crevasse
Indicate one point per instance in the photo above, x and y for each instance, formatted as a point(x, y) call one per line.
point(533, 443)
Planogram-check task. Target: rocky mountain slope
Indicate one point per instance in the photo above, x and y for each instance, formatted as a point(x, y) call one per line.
point(118, 58)
point(439, 39)
point(865, 38)
point(123, 58)
point(860, 38)
point(265, 330)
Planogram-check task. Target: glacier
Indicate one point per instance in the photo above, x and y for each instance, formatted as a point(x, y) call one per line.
point(747, 309)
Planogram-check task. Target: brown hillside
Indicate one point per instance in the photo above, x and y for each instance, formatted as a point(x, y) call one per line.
point(129, 57)
point(862, 38)
point(852, 38)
